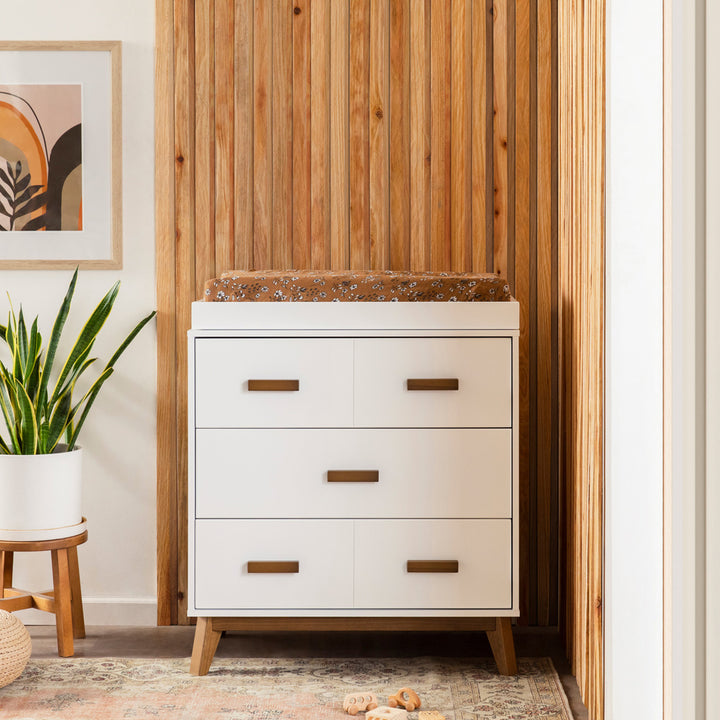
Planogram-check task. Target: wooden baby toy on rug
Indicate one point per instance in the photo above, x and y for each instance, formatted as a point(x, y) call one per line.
point(357, 702)
point(406, 697)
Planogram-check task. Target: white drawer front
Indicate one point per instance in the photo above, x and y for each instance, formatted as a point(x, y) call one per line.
point(482, 367)
point(224, 367)
point(482, 548)
point(421, 473)
point(323, 551)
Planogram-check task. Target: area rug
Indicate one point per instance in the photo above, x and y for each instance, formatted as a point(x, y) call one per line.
point(277, 689)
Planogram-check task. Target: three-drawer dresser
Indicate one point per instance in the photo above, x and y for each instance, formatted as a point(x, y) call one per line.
point(352, 465)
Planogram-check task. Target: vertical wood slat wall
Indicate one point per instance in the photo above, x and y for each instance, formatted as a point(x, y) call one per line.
point(582, 307)
point(360, 134)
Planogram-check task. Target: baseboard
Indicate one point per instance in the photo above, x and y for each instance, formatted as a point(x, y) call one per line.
point(104, 611)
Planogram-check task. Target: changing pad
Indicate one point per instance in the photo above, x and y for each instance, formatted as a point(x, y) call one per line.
point(348, 286)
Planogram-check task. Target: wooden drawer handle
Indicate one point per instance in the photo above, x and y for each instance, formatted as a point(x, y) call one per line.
point(433, 384)
point(273, 385)
point(274, 566)
point(353, 476)
point(433, 566)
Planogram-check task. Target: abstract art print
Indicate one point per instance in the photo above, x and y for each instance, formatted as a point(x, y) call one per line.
point(40, 157)
point(60, 156)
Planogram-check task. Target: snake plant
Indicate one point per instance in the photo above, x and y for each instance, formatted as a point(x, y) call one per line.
point(37, 404)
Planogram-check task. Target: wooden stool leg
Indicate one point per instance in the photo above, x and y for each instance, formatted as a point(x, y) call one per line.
point(204, 647)
point(503, 648)
point(63, 601)
point(78, 616)
point(6, 570)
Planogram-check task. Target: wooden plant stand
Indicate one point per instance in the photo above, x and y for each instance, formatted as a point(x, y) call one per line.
point(209, 630)
point(64, 600)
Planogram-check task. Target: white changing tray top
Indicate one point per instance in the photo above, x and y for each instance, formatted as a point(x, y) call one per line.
point(496, 316)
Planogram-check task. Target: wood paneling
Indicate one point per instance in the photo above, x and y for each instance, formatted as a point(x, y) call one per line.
point(581, 244)
point(364, 134)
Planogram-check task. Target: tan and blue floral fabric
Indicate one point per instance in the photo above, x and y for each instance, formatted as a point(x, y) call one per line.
point(347, 286)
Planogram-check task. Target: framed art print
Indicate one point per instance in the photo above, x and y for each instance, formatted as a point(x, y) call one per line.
point(60, 155)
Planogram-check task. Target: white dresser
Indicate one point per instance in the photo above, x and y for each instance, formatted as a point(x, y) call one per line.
point(353, 466)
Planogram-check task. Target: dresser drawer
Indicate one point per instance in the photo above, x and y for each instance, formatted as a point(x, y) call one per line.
point(236, 564)
point(481, 548)
point(470, 382)
point(232, 388)
point(420, 473)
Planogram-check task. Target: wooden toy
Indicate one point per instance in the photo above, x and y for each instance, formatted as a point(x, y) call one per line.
point(357, 702)
point(430, 715)
point(386, 713)
point(406, 697)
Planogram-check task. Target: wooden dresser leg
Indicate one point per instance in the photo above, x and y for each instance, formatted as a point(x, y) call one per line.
point(63, 603)
point(6, 571)
point(78, 616)
point(204, 647)
point(503, 647)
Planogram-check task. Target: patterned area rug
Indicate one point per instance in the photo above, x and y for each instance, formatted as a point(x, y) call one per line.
point(271, 689)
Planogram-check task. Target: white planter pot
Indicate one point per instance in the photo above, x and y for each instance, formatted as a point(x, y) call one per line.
point(40, 495)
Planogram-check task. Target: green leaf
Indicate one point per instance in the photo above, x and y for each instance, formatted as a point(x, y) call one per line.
point(89, 399)
point(4, 449)
point(129, 339)
point(58, 326)
point(22, 342)
point(59, 420)
point(87, 335)
point(28, 423)
point(3, 333)
point(8, 414)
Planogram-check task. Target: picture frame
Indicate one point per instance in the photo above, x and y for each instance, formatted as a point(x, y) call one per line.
point(60, 155)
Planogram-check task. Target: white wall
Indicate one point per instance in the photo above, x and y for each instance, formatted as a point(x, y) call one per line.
point(634, 361)
point(117, 564)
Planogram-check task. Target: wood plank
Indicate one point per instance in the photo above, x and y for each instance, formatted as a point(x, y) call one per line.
point(500, 137)
point(359, 135)
point(320, 133)
point(224, 137)
point(78, 615)
point(167, 480)
point(379, 136)
point(522, 180)
point(399, 135)
point(543, 388)
point(339, 137)
point(301, 149)
point(479, 133)
point(63, 607)
point(184, 259)
point(282, 137)
point(440, 83)
point(204, 142)
point(419, 134)
point(243, 156)
point(262, 135)
point(461, 118)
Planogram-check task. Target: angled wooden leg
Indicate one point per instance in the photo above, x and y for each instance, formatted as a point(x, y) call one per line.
point(78, 617)
point(6, 571)
point(204, 647)
point(503, 647)
point(63, 601)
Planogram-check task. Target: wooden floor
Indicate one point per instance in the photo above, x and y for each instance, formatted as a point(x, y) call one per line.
point(108, 641)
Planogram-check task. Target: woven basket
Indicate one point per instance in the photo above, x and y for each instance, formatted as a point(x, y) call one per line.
point(15, 648)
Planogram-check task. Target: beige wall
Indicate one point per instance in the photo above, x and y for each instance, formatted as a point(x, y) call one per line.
point(118, 563)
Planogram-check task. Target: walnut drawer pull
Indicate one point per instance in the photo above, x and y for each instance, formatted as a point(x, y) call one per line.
point(273, 385)
point(433, 384)
point(274, 566)
point(353, 476)
point(432, 566)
